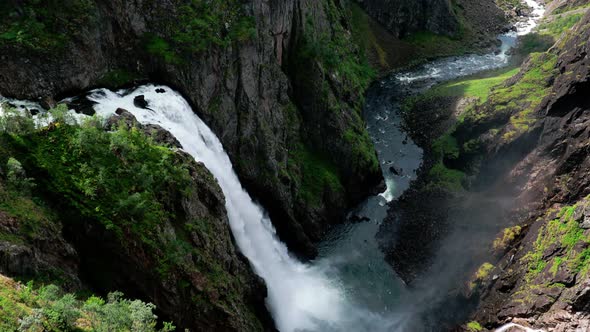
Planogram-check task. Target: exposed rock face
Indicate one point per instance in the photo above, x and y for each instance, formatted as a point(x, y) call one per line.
point(528, 145)
point(242, 91)
point(403, 17)
point(542, 280)
point(42, 254)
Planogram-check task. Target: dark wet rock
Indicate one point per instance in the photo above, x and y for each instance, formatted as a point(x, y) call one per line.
point(140, 102)
point(82, 105)
point(405, 17)
point(34, 111)
point(122, 117)
point(356, 219)
point(160, 90)
point(47, 102)
point(581, 300)
point(47, 254)
point(396, 170)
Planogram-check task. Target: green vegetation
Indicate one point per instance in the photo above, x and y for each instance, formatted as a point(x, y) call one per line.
point(315, 174)
point(47, 308)
point(521, 98)
point(49, 25)
point(507, 237)
point(364, 35)
point(560, 23)
point(569, 8)
point(509, 5)
point(362, 148)
point(490, 97)
point(442, 177)
point(121, 179)
point(533, 43)
point(198, 26)
point(473, 87)
point(337, 55)
point(439, 175)
point(480, 275)
point(564, 232)
point(437, 44)
point(46, 25)
point(477, 86)
point(474, 326)
point(116, 78)
point(325, 59)
point(550, 30)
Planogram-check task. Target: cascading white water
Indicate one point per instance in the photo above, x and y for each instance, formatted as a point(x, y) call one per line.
point(300, 297)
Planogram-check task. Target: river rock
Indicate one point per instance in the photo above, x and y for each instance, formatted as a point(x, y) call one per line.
point(395, 170)
point(82, 105)
point(140, 102)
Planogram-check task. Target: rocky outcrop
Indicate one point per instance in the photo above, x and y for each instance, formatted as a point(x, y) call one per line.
point(406, 17)
point(241, 85)
point(514, 167)
point(187, 264)
point(542, 279)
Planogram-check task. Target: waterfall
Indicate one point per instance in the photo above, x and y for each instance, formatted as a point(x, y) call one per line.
point(300, 296)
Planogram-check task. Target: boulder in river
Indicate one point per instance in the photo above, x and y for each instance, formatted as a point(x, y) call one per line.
point(140, 101)
point(356, 219)
point(396, 170)
point(82, 105)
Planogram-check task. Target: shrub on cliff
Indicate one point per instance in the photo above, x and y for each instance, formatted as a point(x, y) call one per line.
point(47, 308)
point(122, 179)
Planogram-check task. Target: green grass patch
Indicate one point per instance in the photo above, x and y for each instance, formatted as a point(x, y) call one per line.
point(477, 87)
point(474, 326)
point(315, 174)
point(559, 24)
point(564, 232)
point(442, 177)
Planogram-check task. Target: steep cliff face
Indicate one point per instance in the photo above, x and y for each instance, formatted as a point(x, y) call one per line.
point(506, 156)
point(297, 142)
point(406, 17)
point(542, 278)
point(402, 33)
point(84, 233)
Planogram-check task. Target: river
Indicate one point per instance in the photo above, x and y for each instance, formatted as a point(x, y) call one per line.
point(351, 249)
